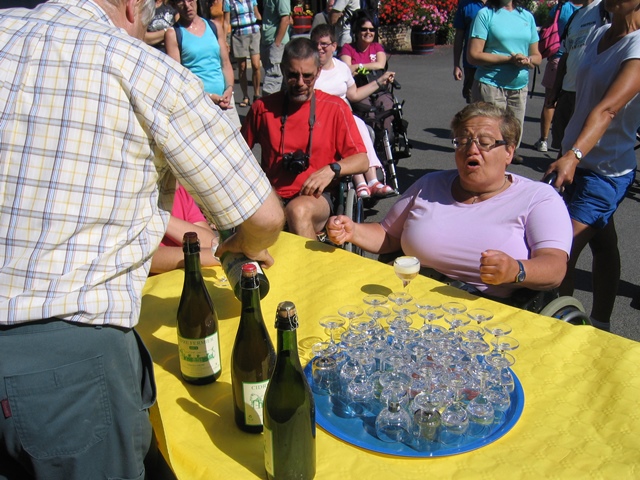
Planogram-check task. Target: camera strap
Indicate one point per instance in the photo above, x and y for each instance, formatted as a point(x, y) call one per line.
point(312, 121)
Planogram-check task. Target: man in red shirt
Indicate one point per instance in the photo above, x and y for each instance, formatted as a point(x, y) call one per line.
point(308, 139)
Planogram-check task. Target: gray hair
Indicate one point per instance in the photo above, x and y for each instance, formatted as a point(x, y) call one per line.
point(300, 48)
point(147, 11)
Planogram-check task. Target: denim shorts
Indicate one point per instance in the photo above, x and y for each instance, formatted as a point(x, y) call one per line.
point(592, 199)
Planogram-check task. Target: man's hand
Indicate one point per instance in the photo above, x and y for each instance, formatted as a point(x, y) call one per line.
point(340, 229)
point(457, 73)
point(235, 244)
point(497, 267)
point(317, 182)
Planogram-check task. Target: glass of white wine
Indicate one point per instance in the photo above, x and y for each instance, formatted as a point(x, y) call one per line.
point(406, 268)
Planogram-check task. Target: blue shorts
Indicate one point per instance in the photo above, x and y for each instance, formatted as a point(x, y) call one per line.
point(592, 199)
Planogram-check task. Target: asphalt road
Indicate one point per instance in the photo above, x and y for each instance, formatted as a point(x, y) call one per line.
point(432, 97)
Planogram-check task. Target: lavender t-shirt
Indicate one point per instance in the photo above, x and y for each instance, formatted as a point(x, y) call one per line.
point(449, 236)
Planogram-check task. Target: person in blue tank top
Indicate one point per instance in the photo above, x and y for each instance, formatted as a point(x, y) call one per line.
point(504, 46)
point(203, 51)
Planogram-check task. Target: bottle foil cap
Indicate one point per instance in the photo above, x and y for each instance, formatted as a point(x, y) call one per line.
point(286, 316)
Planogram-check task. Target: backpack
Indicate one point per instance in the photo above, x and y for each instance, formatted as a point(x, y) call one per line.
point(549, 42)
point(178, 29)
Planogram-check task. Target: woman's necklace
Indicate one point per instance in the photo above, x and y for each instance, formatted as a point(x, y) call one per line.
point(476, 196)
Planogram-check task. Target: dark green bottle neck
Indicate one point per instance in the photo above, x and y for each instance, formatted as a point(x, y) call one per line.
point(192, 265)
point(250, 296)
point(288, 343)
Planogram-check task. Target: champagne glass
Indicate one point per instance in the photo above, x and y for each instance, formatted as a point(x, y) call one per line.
point(497, 329)
point(502, 362)
point(350, 311)
point(393, 423)
point(378, 311)
point(324, 368)
point(332, 323)
point(454, 308)
point(406, 268)
point(454, 424)
point(480, 315)
point(375, 299)
point(429, 310)
point(481, 415)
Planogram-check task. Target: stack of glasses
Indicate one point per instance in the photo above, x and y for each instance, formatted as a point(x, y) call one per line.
point(430, 387)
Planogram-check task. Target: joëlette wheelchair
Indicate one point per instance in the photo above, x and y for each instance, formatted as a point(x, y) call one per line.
point(383, 114)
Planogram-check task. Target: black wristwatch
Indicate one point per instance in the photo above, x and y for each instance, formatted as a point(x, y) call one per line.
point(335, 166)
point(521, 273)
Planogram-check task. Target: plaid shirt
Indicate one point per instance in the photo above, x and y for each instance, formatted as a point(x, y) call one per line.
point(241, 15)
point(94, 125)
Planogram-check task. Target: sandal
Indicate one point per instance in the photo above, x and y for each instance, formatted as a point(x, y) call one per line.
point(379, 189)
point(363, 191)
point(245, 102)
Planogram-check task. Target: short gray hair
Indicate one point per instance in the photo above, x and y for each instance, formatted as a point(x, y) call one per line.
point(300, 48)
point(147, 11)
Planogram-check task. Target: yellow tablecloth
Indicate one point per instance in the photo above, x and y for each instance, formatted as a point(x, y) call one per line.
point(581, 417)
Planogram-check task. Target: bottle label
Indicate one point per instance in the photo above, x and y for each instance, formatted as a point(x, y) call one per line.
point(199, 357)
point(268, 451)
point(253, 397)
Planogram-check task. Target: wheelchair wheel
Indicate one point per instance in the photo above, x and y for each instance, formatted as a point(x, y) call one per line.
point(353, 209)
point(567, 309)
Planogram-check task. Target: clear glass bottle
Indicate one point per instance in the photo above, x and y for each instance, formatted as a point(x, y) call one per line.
point(197, 323)
point(289, 408)
point(253, 356)
point(232, 263)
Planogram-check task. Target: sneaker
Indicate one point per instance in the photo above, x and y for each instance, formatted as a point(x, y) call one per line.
point(517, 159)
point(541, 145)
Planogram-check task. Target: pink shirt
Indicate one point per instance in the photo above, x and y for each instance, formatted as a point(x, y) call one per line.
point(368, 56)
point(184, 208)
point(449, 236)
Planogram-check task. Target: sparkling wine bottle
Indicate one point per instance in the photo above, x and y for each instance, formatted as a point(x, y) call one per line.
point(289, 409)
point(198, 342)
point(253, 356)
point(232, 263)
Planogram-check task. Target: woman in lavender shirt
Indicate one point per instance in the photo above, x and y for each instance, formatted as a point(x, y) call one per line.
point(478, 224)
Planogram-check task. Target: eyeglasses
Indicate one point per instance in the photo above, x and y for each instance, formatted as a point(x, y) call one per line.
point(366, 29)
point(324, 45)
point(183, 2)
point(483, 142)
point(307, 78)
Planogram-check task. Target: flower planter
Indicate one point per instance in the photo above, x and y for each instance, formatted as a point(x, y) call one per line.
point(422, 42)
point(301, 24)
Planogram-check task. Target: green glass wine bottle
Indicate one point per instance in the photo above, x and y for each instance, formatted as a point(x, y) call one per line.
point(232, 265)
point(289, 408)
point(253, 356)
point(198, 341)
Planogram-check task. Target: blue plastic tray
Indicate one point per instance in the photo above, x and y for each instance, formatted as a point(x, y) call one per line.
point(361, 432)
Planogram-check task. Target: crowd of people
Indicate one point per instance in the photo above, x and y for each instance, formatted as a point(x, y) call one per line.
point(112, 150)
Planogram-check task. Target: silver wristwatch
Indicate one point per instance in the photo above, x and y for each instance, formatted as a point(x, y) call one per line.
point(577, 152)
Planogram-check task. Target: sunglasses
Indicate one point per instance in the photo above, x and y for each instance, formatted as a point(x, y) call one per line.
point(366, 29)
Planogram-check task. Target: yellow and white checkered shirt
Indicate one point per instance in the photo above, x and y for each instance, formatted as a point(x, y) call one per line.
point(94, 125)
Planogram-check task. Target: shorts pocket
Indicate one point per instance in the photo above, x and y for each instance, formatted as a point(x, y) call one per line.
point(62, 411)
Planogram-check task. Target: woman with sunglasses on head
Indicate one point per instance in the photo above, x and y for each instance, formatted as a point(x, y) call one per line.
point(363, 53)
point(477, 224)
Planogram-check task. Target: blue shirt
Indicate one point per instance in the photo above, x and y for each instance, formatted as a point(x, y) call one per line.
point(201, 55)
point(505, 32)
point(465, 14)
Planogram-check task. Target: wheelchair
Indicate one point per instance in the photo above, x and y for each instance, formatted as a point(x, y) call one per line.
point(347, 203)
point(383, 114)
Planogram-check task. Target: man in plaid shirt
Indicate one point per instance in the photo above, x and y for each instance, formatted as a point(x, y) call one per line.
point(95, 128)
